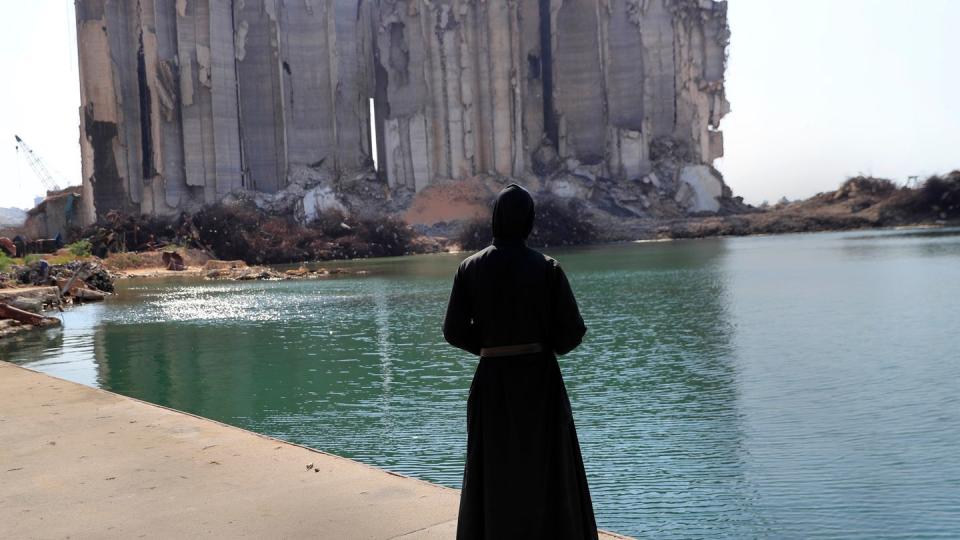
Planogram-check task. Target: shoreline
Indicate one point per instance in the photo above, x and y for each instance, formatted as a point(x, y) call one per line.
point(88, 462)
point(199, 271)
point(148, 273)
point(742, 226)
point(301, 270)
point(837, 243)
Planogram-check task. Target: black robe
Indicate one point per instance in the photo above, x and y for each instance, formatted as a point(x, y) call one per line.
point(524, 475)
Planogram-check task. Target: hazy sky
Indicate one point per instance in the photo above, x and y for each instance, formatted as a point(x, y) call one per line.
point(821, 90)
point(826, 89)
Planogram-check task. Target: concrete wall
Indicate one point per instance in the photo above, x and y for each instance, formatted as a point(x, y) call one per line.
point(58, 214)
point(185, 101)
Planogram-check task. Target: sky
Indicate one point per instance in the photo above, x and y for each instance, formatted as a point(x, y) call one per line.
point(40, 96)
point(821, 90)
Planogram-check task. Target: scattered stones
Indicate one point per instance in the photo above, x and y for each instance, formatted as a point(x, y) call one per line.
point(214, 265)
point(10, 327)
point(300, 272)
point(239, 271)
point(87, 295)
point(41, 286)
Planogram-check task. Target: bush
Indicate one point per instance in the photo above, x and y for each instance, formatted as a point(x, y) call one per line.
point(5, 261)
point(31, 258)
point(866, 185)
point(80, 248)
point(385, 237)
point(224, 229)
point(937, 198)
point(942, 195)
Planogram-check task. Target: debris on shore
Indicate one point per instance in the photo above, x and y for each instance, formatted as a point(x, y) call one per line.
point(258, 235)
point(77, 280)
point(859, 203)
point(22, 318)
point(239, 271)
point(29, 289)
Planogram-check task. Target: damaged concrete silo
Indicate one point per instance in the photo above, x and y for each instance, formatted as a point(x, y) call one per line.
point(187, 101)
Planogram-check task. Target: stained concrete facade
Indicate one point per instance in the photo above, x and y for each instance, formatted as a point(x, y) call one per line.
point(185, 101)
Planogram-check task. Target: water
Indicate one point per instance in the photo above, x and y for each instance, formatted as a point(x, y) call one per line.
point(803, 386)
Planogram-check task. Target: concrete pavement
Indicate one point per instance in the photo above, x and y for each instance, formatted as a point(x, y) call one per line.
point(78, 462)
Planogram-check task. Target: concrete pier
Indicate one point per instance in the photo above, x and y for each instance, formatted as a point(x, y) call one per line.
point(78, 462)
point(44, 294)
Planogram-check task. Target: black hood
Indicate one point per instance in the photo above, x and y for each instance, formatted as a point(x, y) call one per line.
point(513, 215)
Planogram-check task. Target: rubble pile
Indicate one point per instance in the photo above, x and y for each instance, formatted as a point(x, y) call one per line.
point(937, 198)
point(859, 203)
point(14, 320)
point(119, 233)
point(31, 289)
point(261, 230)
point(284, 104)
point(244, 232)
point(78, 274)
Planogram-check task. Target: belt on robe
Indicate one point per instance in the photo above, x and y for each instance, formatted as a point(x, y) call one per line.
point(511, 350)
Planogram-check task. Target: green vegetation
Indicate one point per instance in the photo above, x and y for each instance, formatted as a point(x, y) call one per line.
point(80, 248)
point(31, 258)
point(5, 261)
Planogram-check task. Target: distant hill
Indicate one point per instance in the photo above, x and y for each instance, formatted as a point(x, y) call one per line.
point(12, 217)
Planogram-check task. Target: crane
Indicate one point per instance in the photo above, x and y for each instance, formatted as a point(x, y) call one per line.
point(37, 165)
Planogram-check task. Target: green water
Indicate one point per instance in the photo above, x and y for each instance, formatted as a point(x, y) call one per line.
point(803, 386)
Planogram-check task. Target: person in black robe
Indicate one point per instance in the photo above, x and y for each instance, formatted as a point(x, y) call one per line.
point(513, 307)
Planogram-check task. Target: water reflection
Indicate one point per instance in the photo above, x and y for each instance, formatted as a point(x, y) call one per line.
point(924, 243)
point(848, 383)
point(656, 393)
point(797, 386)
point(318, 371)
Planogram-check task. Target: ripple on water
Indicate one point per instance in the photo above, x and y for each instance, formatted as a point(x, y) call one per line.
point(798, 387)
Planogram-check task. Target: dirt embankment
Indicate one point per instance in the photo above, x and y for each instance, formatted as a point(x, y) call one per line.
point(859, 203)
point(456, 215)
point(243, 231)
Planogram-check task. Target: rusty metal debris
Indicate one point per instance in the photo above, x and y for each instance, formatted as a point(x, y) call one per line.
point(25, 317)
